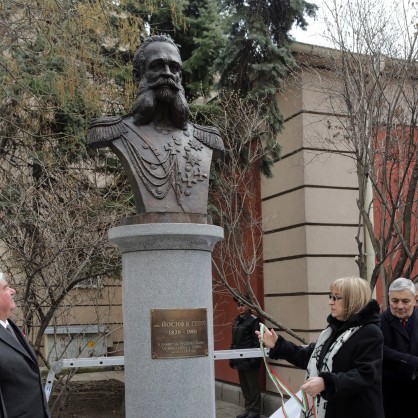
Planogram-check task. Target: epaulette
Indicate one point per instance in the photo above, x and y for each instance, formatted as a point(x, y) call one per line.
point(254, 316)
point(105, 129)
point(209, 136)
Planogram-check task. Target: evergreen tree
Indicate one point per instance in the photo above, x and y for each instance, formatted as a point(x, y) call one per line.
point(256, 56)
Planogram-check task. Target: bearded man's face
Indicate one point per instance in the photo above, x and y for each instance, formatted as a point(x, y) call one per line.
point(161, 83)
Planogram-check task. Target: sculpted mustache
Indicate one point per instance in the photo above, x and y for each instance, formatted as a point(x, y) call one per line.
point(165, 82)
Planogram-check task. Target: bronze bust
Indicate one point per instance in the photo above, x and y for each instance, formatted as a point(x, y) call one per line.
point(167, 158)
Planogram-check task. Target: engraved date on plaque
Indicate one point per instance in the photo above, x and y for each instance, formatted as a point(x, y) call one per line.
point(179, 333)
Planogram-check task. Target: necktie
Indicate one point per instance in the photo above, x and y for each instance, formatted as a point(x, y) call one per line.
point(404, 322)
point(16, 338)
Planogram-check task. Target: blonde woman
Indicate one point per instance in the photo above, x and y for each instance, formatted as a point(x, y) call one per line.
point(344, 367)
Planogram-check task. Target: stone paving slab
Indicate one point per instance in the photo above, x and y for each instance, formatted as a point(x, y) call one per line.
point(228, 410)
point(223, 409)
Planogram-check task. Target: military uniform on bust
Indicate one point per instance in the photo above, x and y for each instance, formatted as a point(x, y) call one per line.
point(167, 159)
point(244, 336)
point(168, 170)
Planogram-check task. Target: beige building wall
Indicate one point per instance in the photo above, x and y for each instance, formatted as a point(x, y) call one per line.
point(84, 310)
point(89, 322)
point(309, 213)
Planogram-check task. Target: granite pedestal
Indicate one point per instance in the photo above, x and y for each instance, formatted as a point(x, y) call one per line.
point(166, 267)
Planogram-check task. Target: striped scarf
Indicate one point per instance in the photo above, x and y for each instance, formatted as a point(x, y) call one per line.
point(312, 369)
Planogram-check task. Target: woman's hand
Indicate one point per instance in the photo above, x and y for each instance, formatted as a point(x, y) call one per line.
point(313, 386)
point(269, 338)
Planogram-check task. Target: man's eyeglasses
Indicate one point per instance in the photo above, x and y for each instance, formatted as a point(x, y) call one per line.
point(239, 305)
point(335, 298)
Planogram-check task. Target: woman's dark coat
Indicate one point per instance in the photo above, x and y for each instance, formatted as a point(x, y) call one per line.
point(400, 366)
point(354, 386)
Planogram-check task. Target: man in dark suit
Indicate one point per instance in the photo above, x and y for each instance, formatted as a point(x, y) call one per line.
point(399, 325)
point(21, 391)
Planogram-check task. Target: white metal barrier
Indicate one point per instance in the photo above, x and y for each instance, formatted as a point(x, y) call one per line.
point(57, 366)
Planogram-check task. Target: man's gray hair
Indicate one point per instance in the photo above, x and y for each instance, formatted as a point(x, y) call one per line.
point(402, 284)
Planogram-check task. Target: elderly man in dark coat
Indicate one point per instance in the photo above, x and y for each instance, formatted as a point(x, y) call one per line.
point(21, 392)
point(399, 325)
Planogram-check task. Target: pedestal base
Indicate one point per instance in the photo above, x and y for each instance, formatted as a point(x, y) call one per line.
point(166, 266)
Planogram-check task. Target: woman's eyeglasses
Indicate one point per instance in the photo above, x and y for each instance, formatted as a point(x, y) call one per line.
point(335, 298)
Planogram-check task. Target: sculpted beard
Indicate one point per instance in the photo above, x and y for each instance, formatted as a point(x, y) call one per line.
point(149, 96)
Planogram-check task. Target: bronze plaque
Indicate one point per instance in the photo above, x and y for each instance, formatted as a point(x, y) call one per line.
point(179, 333)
